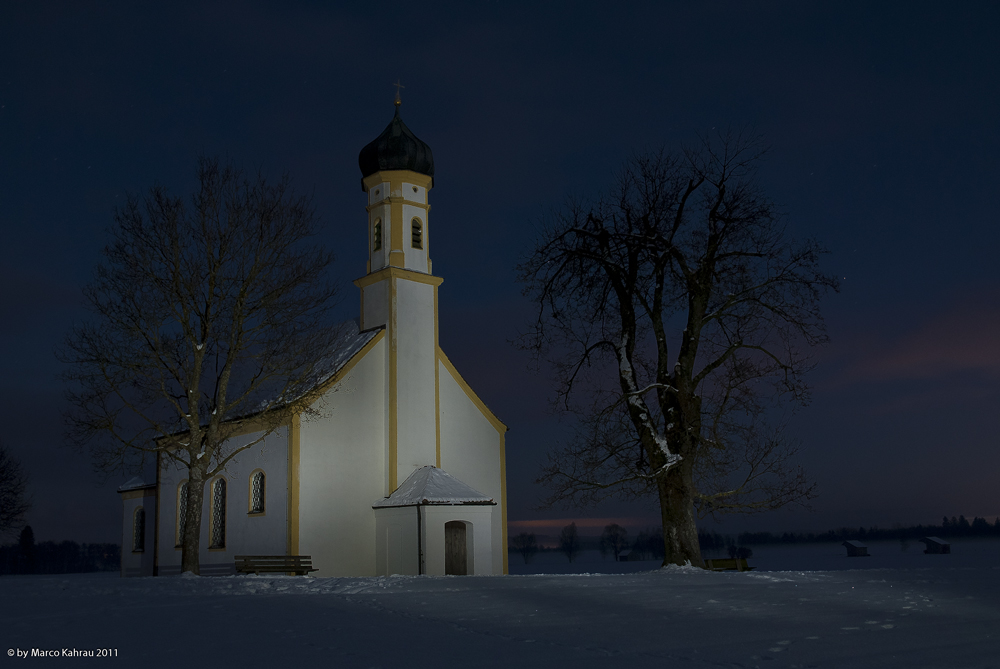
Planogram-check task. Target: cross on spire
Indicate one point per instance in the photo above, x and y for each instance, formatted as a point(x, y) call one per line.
point(398, 86)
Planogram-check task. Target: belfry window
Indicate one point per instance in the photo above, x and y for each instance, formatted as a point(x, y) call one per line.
point(257, 493)
point(377, 235)
point(182, 505)
point(218, 514)
point(417, 240)
point(139, 530)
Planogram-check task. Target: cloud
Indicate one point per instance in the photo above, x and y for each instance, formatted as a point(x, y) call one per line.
point(963, 338)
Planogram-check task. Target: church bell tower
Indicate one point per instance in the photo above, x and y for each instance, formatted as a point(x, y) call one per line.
point(399, 293)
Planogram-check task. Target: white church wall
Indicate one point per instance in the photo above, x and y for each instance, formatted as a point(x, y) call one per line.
point(378, 192)
point(416, 439)
point(396, 548)
point(342, 464)
point(470, 451)
point(375, 305)
point(246, 534)
point(479, 540)
point(414, 192)
point(138, 563)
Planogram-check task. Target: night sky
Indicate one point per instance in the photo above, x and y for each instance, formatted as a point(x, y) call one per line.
point(884, 135)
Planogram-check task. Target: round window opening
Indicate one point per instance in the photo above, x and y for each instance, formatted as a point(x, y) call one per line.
point(376, 191)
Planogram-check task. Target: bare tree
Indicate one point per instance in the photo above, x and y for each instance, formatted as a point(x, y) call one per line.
point(13, 492)
point(614, 539)
point(526, 544)
point(569, 541)
point(675, 311)
point(209, 317)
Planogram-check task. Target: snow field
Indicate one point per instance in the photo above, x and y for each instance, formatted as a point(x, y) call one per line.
point(674, 617)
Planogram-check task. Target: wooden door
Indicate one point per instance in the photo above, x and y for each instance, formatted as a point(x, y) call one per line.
point(455, 557)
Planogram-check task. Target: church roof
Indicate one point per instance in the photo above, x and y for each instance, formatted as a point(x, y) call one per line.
point(348, 341)
point(430, 485)
point(135, 483)
point(397, 148)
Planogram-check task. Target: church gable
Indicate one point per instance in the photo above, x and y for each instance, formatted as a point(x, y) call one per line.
point(351, 345)
point(447, 365)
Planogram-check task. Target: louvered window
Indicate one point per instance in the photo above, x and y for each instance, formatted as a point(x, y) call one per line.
point(139, 530)
point(417, 239)
point(257, 493)
point(182, 505)
point(218, 514)
point(377, 236)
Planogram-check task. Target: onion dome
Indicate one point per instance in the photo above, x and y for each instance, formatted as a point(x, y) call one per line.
point(397, 148)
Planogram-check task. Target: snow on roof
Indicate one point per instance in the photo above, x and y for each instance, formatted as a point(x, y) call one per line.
point(935, 540)
point(856, 544)
point(135, 483)
point(430, 485)
point(348, 341)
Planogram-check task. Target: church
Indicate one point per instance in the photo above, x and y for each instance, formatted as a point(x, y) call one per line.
point(400, 468)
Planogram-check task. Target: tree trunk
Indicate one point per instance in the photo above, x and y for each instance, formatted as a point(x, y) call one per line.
point(191, 540)
point(680, 533)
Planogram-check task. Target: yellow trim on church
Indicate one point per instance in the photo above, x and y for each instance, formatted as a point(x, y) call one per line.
point(437, 386)
point(397, 273)
point(346, 369)
point(470, 393)
point(390, 200)
point(396, 179)
point(391, 456)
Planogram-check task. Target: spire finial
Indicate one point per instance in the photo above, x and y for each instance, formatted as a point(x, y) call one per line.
point(398, 86)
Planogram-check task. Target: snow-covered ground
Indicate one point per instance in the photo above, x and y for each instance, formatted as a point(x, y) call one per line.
point(675, 617)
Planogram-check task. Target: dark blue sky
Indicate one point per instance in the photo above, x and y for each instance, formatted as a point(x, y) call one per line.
point(883, 122)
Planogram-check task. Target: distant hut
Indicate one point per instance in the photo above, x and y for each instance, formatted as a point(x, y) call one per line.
point(856, 549)
point(936, 546)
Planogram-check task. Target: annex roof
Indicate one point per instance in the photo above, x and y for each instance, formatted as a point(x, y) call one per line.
point(135, 483)
point(430, 485)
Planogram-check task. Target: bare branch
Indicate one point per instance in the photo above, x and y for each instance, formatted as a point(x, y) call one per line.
point(683, 249)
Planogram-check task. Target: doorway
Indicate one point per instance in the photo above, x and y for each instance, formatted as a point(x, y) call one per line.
point(456, 558)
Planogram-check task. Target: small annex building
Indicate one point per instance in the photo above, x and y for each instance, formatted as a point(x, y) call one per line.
point(403, 470)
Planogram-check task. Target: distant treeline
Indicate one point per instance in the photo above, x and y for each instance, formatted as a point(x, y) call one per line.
point(64, 557)
point(953, 527)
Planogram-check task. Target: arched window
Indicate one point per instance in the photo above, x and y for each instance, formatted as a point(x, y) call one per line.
point(182, 505)
point(139, 530)
point(218, 514)
point(257, 492)
point(377, 235)
point(417, 239)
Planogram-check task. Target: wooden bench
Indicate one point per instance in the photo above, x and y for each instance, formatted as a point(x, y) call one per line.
point(300, 565)
point(727, 564)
